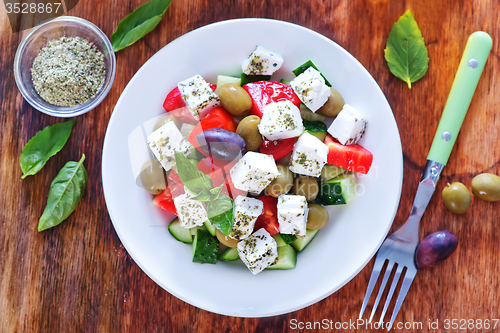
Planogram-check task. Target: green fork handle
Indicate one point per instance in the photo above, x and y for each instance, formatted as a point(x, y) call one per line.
point(469, 71)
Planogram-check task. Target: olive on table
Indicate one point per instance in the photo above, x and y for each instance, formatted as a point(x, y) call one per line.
point(165, 119)
point(221, 143)
point(435, 248)
point(225, 239)
point(317, 217)
point(486, 186)
point(152, 177)
point(333, 105)
point(248, 129)
point(235, 99)
point(281, 184)
point(456, 198)
point(306, 186)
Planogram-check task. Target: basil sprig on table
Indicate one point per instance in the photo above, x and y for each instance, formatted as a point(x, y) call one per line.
point(45, 144)
point(65, 193)
point(138, 24)
point(219, 206)
point(405, 51)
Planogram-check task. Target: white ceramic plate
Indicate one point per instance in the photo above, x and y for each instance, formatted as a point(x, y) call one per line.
point(338, 252)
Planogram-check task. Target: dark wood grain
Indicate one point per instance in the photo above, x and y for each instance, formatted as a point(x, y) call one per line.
point(79, 278)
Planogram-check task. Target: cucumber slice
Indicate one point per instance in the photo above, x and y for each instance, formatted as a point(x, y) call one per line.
point(331, 171)
point(205, 247)
point(302, 68)
point(302, 242)
point(223, 79)
point(339, 190)
point(195, 229)
point(287, 258)
point(229, 254)
point(179, 232)
point(253, 78)
point(307, 114)
point(210, 227)
point(316, 128)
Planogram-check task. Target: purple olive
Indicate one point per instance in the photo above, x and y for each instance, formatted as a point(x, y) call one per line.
point(435, 248)
point(221, 144)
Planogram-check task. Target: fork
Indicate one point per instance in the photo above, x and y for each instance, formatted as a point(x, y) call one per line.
point(398, 250)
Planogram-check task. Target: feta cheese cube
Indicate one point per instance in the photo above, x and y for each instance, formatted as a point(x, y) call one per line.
point(191, 213)
point(246, 211)
point(198, 96)
point(258, 251)
point(165, 141)
point(281, 120)
point(292, 214)
point(310, 87)
point(348, 127)
point(309, 155)
point(262, 62)
point(253, 172)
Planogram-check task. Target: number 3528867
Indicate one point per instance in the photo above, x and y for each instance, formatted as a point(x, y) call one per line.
point(32, 8)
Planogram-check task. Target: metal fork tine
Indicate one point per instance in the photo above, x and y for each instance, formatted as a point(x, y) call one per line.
point(377, 267)
point(409, 276)
point(388, 271)
point(395, 281)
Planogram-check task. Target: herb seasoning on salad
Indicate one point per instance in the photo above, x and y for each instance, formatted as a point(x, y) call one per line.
point(68, 71)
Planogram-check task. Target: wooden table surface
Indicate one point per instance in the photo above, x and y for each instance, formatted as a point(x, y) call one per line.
point(78, 277)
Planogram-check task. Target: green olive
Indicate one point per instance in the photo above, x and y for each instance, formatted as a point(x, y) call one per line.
point(306, 186)
point(456, 198)
point(281, 184)
point(248, 129)
point(235, 99)
point(317, 217)
point(486, 186)
point(333, 105)
point(165, 119)
point(226, 240)
point(152, 177)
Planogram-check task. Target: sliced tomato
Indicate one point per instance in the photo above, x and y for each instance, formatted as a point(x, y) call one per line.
point(174, 99)
point(269, 217)
point(206, 165)
point(165, 199)
point(215, 118)
point(233, 191)
point(277, 148)
point(173, 177)
point(265, 92)
point(351, 157)
point(183, 115)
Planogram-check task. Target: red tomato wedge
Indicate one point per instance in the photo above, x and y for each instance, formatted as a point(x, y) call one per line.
point(265, 92)
point(351, 157)
point(165, 199)
point(269, 217)
point(215, 118)
point(174, 99)
point(173, 177)
point(277, 148)
point(233, 191)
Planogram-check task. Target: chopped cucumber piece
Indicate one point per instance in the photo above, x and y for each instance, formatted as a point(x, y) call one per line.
point(253, 78)
point(210, 227)
point(285, 81)
point(302, 68)
point(205, 247)
point(307, 114)
point(302, 242)
point(331, 171)
point(179, 232)
point(229, 254)
point(339, 190)
point(284, 239)
point(223, 79)
point(316, 128)
point(195, 229)
point(287, 258)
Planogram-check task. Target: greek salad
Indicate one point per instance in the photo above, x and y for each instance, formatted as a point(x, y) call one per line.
point(248, 165)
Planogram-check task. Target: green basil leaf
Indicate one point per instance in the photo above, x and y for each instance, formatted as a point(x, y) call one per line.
point(45, 144)
point(65, 193)
point(195, 180)
point(203, 196)
point(220, 213)
point(138, 24)
point(405, 51)
point(216, 191)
